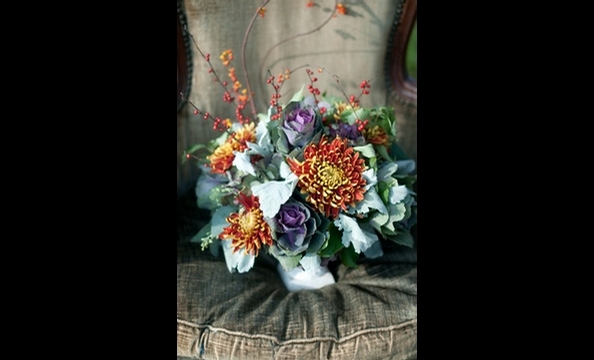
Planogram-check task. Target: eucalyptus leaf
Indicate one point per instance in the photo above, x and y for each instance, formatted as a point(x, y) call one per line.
point(287, 262)
point(378, 220)
point(406, 166)
point(214, 248)
point(281, 142)
point(203, 233)
point(219, 219)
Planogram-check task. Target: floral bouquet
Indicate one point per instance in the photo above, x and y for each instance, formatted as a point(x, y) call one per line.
point(316, 179)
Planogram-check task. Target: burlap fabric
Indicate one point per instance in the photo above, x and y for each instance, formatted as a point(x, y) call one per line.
point(370, 313)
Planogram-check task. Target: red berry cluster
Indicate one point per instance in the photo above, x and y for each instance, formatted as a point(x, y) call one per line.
point(218, 123)
point(274, 97)
point(240, 98)
point(365, 86)
point(312, 79)
point(362, 124)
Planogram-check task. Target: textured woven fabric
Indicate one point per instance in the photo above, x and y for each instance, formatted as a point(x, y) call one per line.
point(370, 313)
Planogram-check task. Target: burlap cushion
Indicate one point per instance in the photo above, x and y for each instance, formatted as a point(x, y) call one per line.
point(370, 313)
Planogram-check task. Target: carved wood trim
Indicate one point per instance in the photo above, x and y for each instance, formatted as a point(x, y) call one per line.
point(402, 86)
point(184, 57)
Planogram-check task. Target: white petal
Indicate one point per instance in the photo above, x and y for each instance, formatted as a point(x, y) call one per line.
point(242, 162)
point(372, 200)
point(386, 170)
point(370, 177)
point(353, 234)
point(397, 194)
point(310, 262)
point(272, 195)
point(239, 261)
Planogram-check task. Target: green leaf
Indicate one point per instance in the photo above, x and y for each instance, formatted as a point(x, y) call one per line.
point(409, 181)
point(373, 162)
point(367, 151)
point(316, 243)
point(383, 152)
point(334, 243)
point(351, 116)
point(384, 191)
point(349, 257)
point(195, 148)
point(288, 262)
point(403, 238)
point(399, 154)
point(386, 119)
point(298, 96)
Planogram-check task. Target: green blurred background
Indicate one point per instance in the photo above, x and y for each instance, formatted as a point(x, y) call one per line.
point(411, 54)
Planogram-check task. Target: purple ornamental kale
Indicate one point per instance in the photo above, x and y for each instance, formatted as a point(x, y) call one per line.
point(299, 124)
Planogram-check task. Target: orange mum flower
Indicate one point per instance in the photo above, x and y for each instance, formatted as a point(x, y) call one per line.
point(222, 158)
point(341, 107)
point(331, 175)
point(376, 135)
point(248, 230)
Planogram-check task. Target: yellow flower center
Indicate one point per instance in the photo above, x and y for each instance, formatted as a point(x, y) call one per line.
point(331, 177)
point(250, 222)
point(247, 229)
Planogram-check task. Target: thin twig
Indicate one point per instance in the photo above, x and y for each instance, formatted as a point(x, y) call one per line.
point(207, 59)
point(297, 36)
point(243, 64)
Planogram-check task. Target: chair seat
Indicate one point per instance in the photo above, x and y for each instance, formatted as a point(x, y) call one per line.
point(370, 313)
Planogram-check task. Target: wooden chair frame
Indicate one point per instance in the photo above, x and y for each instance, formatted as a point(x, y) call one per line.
point(399, 82)
point(184, 57)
